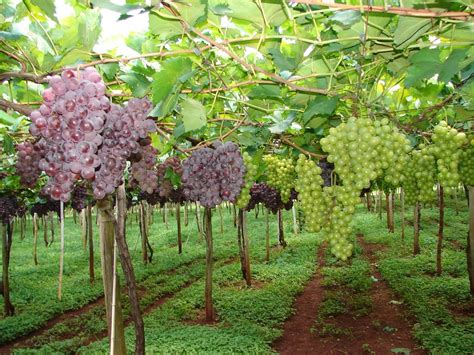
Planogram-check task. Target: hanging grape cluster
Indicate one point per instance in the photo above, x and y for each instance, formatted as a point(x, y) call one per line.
point(445, 149)
point(340, 202)
point(421, 176)
point(281, 174)
point(27, 164)
point(42, 208)
point(327, 171)
point(466, 165)
point(211, 176)
point(83, 135)
point(251, 171)
point(143, 170)
point(10, 207)
point(310, 192)
point(80, 198)
point(125, 131)
point(167, 171)
point(270, 198)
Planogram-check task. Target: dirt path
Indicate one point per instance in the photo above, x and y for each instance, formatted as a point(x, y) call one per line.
point(297, 337)
point(386, 327)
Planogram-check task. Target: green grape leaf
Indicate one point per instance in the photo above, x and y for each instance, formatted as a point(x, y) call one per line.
point(265, 91)
point(425, 64)
point(451, 65)
point(281, 61)
point(48, 7)
point(164, 28)
point(346, 18)
point(109, 70)
point(321, 105)
point(193, 115)
point(8, 146)
point(167, 83)
point(409, 29)
point(109, 5)
point(137, 83)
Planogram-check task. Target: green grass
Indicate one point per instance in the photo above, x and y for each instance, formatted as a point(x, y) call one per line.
point(249, 319)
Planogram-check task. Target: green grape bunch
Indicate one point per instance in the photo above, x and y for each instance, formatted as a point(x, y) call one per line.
point(340, 202)
point(281, 175)
point(309, 185)
point(421, 176)
point(393, 153)
point(249, 178)
point(466, 165)
point(447, 142)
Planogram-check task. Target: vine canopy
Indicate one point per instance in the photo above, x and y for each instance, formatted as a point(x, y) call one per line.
point(256, 72)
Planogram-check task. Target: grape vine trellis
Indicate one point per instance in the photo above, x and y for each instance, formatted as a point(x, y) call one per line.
point(272, 76)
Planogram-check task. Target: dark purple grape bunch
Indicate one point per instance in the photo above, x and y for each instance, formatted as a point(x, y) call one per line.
point(153, 198)
point(269, 197)
point(70, 121)
point(27, 164)
point(10, 207)
point(211, 176)
point(81, 198)
point(327, 170)
point(44, 207)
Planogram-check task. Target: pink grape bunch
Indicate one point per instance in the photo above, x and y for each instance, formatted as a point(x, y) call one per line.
point(125, 129)
point(211, 176)
point(84, 135)
point(70, 121)
point(27, 165)
point(172, 164)
point(143, 170)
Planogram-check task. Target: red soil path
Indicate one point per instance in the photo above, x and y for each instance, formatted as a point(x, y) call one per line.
point(366, 334)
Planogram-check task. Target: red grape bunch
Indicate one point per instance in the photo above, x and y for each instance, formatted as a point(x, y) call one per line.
point(124, 129)
point(211, 176)
point(171, 165)
point(10, 207)
point(70, 121)
point(143, 171)
point(27, 165)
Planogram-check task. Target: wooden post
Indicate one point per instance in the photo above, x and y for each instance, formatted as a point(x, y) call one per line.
point(127, 268)
point(84, 226)
point(439, 245)
point(380, 204)
point(220, 216)
point(90, 236)
point(470, 240)
point(281, 231)
point(198, 221)
point(45, 230)
point(245, 240)
point(235, 215)
point(392, 212)
point(7, 235)
point(178, 225)
point(240, 242)
point(61, 254)
point(186, 214)
point(295, 224)
point(106, 234)
point(402, 206)
point(143, 230)
point(209, 265)
point(51, 226)
point(267, 236)
point(416, 226)
point(35, 238)
point(22, 227)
